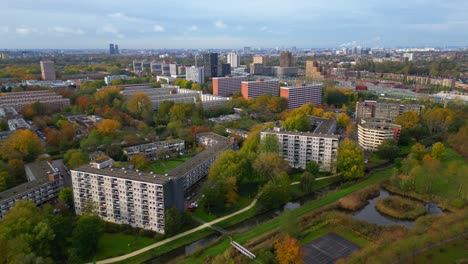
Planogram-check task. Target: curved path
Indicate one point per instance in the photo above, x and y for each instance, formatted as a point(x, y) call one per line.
point(157, 244)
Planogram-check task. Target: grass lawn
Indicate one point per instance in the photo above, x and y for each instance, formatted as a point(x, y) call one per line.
point(163, 166)
point(241, 203)
point(155, 252)
point(113, 245)
point(449, 253)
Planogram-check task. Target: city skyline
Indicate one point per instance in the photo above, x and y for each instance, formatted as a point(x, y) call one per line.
point(206, 24)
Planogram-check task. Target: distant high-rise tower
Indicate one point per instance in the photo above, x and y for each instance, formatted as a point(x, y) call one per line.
point(285, 59)
point(48, 71)
point(210, 62)
point(116, 49)
point(111, 49)
point(225, 69)
point(233, 59)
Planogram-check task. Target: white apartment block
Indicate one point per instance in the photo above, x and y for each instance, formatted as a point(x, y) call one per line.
point(233, 59)
point(372, 131)
point(123, 196)
point(299, 148)
point(195, 74)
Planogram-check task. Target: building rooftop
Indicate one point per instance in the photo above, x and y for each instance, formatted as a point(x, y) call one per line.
point(322, 125)
point(39, 173)
point(123, 173)
point(297, 133)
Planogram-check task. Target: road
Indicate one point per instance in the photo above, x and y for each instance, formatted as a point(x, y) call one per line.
point(157, 244)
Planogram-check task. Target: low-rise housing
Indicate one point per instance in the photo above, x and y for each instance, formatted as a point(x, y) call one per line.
point(157, 150)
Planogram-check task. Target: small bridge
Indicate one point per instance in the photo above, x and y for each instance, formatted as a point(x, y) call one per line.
point(243, 250)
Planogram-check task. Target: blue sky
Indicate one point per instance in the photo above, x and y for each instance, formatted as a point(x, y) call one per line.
point(232, 24)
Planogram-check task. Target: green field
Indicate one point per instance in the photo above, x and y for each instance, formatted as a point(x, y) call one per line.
point(113, 245)
point(163, 166)
point(449, 253)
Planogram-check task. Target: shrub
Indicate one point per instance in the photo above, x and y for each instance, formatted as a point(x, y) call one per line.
point(358, 200)
point(400, 208)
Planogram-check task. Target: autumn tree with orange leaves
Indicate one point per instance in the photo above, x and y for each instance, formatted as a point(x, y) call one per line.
point(288, 251)
point(22, 144)
point(108, 127)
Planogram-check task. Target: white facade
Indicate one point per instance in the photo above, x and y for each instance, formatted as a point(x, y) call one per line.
point(373, 131)
point(120, 200)
point(233, 59)
point(195, 74)
point(299, 148)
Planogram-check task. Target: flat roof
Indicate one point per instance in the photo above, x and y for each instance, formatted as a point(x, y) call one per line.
point(143, 176)
point(39, 171)
point(322, 125)
point(297, 133)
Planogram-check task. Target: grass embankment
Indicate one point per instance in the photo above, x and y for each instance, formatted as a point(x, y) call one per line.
point(400, 208)
point(274, 223)
point(113, 245)
point(156, 252)
point(450, 253)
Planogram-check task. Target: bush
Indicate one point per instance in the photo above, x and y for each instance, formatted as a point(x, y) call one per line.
point(358, 200)
point(457, 203)
point(400, 208)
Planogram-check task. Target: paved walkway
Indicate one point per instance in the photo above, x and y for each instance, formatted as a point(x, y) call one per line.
point(160, 243)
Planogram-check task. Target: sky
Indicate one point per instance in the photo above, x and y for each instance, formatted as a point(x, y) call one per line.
point(90, 24)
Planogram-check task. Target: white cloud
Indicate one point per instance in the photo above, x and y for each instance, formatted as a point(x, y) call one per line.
point(349, 44)
point(220, 24)
point(117, 15)
point(193, 28)
point(25, 30)
point(66, 30)
point(158, 28)
point(109, 28)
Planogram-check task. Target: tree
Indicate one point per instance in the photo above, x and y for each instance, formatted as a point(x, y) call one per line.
point(438, 150)
point(275, 193)
point(388, 149)
point(298, 122)
point(16, 169)
point(343, 120)
point(417, 151)
point(215, 195)
point(459, 140)
point(6, 180)
point(350, 160)
point(74, 158)
point(307, 182)
point(230, 164)
point(288, 251)
point(66, 196)
point(22, 144)
point(269, 165)
point(139, 161)
point(108, 127)
point(86, 235)
point(139, 105)
point(407, 119)
point(312, 167)
point(174, 221)
point(231, 190)
point(24, 231)
point(269, 144)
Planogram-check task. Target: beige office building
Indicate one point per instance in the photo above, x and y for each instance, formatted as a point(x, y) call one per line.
point(48, 71)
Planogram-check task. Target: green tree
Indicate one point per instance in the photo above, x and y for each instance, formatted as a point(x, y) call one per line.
point(74, 158)
point(215, 195)
point(343, 120)
point(312, 167)
point(86, 235)
point(275, 193)
point(140, 161)
point(299, 122)
point(230, 163)
point(417, 151)
point(66, 196)
point(269, 165)
point(307, 182)
point(438, 150)
point(24, 231)
point(269, 144)
point(174, 221)
point(388, 149)
point(16, 169)
point(350, 160)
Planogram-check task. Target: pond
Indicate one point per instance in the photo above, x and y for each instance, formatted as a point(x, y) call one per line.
point(371, 215)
